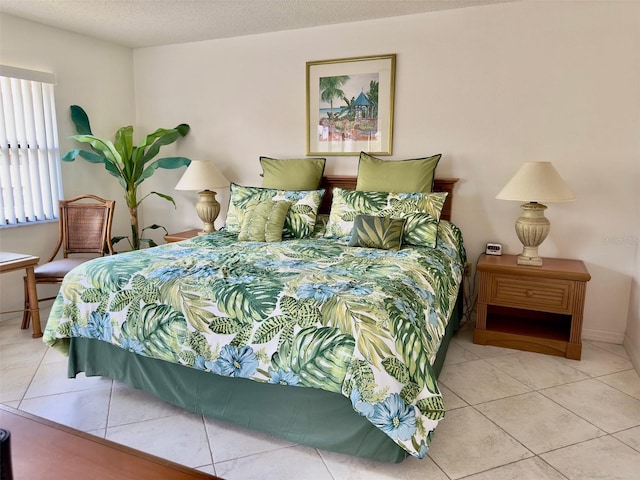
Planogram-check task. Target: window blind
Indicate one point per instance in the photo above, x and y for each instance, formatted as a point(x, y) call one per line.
point(30, 175)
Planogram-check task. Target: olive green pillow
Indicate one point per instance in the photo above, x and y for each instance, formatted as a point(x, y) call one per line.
point(396, 176)
point(293, 173)
point(263, 221)
point(377, 232)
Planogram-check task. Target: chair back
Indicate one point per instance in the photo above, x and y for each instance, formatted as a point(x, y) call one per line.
point(85, 225)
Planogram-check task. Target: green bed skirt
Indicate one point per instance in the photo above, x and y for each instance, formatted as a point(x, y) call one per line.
point(305, 416)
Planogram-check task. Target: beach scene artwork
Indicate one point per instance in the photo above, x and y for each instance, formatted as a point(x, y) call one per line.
point(348, 112)
point(350, 105)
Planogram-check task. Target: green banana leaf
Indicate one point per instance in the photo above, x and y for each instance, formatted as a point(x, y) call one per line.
point(129, 163)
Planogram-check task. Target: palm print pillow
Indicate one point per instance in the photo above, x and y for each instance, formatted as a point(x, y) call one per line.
point(421, 212)
point(300, 219)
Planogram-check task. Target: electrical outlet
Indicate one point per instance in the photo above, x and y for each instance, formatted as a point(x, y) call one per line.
point(467, 269)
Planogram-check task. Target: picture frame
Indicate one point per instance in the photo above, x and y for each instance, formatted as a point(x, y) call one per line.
point(350, 105)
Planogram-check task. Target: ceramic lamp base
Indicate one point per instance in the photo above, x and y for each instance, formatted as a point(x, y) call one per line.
point(208, 209)
point(532, 227)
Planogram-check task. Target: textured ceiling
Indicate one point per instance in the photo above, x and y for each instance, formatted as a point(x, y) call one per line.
point(145, 23)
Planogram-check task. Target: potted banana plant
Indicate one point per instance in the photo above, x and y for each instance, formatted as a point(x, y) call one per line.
point(129, 163)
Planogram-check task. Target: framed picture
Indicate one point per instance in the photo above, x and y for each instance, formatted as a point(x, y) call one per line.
point(350, 105)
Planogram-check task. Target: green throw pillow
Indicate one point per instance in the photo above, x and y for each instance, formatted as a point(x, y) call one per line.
point(421, 210)
point(398, 176)
point(422, 228)
point(377, 232)
point(301, 217)
point(293, 173)
point(263, 221)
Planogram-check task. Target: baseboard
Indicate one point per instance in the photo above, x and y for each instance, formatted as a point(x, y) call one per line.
point(634, 354)
point(603, 336)
point(7, 317)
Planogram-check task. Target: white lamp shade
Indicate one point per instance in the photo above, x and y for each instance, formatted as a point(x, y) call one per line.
point(536, 182)
point(202, 175)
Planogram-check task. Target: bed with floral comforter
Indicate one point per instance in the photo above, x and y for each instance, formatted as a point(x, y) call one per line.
point(313, 314)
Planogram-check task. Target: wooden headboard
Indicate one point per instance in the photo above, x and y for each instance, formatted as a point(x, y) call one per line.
point(348, 182)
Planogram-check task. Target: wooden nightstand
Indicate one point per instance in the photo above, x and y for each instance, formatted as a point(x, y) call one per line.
point(538, 309)
point(176, 237)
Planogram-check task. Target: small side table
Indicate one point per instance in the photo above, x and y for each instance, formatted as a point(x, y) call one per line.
point(177, 237)
point(538, 309)
point(10, 262)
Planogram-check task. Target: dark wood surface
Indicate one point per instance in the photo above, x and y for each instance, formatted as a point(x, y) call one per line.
point(43, 450)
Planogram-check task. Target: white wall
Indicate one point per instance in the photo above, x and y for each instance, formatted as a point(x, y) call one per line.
point(488, 87)
point(94, 74)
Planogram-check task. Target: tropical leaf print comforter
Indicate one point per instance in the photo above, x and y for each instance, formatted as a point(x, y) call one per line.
point(317, 313)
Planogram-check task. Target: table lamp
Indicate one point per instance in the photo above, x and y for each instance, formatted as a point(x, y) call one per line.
point(534, 182)
point(203, 175)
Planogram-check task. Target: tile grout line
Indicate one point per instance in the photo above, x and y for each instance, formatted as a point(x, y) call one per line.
point(541, 392)
point(106, 423)
point(324, 462)
point(206, 433)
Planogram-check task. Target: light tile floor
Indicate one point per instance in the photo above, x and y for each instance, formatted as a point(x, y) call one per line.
point(511, 415)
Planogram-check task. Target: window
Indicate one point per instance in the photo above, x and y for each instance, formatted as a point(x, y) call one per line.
point(30, 178)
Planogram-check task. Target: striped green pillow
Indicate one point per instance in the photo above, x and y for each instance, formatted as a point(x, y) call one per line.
point(263, 221)
point(377, 232)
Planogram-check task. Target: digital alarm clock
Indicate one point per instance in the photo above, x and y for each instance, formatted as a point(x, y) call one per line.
point(493, 249)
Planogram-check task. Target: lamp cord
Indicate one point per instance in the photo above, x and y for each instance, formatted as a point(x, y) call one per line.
point(470, 295)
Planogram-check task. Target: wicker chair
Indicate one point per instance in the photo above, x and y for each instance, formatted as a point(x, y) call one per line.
point(84, 228)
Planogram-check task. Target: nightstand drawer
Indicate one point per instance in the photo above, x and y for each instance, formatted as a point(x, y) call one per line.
point(543, 294)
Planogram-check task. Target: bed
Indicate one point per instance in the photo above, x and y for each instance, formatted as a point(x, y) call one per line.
point(310, 339)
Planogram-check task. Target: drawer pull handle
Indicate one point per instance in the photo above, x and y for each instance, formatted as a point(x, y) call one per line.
point(530, 293)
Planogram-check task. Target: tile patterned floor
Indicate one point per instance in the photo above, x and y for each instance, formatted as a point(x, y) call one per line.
point(511, 415)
